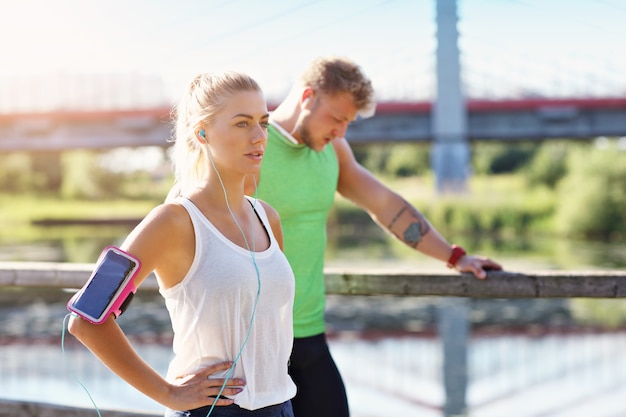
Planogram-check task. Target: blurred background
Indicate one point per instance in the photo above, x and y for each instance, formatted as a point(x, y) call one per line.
point(76, 54)
point(116, 67)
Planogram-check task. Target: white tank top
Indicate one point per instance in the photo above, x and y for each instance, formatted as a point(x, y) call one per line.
point(212, 306)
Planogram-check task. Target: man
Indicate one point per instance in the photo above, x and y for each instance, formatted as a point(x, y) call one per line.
point(306, 161)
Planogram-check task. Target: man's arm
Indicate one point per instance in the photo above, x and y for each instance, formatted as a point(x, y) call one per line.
point(395, 215)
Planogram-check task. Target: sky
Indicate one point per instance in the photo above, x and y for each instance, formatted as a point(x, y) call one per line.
point(508, 47)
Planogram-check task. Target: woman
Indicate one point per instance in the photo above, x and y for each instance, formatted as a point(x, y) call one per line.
point(217, 256)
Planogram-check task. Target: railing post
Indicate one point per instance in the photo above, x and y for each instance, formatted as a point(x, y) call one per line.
point(454, 331)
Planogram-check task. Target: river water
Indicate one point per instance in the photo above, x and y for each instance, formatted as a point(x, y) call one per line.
point(363, 245)
point(526, 358)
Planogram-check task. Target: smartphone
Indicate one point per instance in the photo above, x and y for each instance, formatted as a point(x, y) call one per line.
point(110, 288)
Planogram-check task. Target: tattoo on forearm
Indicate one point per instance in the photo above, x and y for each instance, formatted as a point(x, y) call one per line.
point(414, 233)
point(416, 229)
point(393, 221)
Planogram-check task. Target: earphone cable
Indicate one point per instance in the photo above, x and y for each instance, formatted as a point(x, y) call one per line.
point(258, 274)
point(67, 368)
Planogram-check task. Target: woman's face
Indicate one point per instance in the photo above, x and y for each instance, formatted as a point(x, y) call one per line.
point(237, 135)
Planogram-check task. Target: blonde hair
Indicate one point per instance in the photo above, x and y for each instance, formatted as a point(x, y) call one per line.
point(335, 75)
point(205, 97)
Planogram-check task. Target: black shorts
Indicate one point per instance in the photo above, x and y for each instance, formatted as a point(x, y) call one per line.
point(321, 391)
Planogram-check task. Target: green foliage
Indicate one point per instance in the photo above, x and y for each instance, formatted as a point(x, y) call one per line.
point(142, 185)
point(607, 313)
point(407, 160)
point(501, 158)
point(477, 214)
point(30, 172)
point(394, 160)
point(549, 164)
point(570, 189)
point(46, 166)
point(373, 157)
point(592, 197)
point(16, 173)
point(79, 174)
point(21, 209)
point(84, 177)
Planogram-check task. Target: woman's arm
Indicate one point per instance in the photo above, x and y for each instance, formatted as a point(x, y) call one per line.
point(159, 243)
point(107, 342)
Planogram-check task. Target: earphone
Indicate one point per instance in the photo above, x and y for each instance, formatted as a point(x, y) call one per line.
point(202, 134)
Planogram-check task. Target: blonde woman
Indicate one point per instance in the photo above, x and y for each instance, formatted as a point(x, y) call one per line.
point(217, 256)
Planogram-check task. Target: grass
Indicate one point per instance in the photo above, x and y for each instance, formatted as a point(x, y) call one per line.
point(17, 212)
point(500, 204)
point(22, 209)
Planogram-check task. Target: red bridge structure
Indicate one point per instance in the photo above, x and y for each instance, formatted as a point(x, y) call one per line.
point(534, 119)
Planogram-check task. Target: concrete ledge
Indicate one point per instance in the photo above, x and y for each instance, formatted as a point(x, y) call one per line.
point(9, 408)
point(44, 274)
point(499, 284)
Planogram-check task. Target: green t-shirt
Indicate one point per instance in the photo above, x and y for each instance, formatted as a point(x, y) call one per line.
point(301, 184)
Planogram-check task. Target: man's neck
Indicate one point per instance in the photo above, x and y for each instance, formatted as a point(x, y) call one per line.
point(287, 113)
point(282, 130)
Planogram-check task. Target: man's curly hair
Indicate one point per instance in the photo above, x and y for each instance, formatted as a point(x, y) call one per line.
point(335, 75)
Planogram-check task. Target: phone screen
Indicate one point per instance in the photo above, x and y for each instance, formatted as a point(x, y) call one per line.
point(105, 283)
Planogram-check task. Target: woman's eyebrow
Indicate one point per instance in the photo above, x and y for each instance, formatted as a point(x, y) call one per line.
point(247, 116)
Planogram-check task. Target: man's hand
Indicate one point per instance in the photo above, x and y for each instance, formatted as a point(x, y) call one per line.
point(477, 265)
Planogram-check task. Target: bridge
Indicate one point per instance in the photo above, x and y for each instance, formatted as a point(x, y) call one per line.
point(449, 120)
point(487, 120)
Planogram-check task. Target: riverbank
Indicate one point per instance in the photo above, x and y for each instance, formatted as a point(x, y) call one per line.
point(494, 204)
point(110, 221)
point(498, 206)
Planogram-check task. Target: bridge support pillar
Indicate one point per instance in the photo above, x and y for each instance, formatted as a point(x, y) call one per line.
point(450, 161)
point(450, 157)
point(454, 330)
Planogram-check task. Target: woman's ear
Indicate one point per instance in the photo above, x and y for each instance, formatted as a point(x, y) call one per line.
point(201, 135)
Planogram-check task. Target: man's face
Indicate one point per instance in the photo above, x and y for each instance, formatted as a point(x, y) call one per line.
point(325, 118)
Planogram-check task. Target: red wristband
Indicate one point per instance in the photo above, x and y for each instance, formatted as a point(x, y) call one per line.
point(457, 253)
